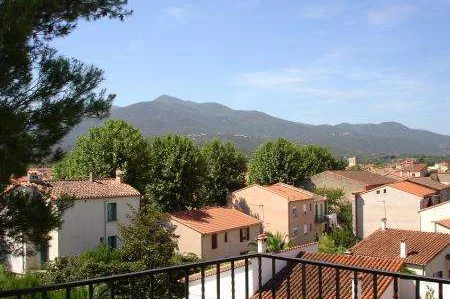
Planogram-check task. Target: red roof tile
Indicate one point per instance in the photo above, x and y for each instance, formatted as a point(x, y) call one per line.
point(213, 220)
point(365, 177)
point(422, 246)
point(293, 275)
point(429, 183)
point(413, 188)
point(444, 222)
point(291, 193)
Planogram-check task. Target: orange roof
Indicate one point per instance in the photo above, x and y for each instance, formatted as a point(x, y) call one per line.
point(444, 222)
point(413, 188)
point(293, 274)
point(422, 246)
point(214, 220)
point(415, 167)
point(291, 193)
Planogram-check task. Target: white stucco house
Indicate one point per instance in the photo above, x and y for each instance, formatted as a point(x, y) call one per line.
point(435, 218)
point(99, 205)
point(399, 203)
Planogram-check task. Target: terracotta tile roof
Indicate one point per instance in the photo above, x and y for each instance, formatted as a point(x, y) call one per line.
point(415, 167)
point(85, 189)
point(293, 274)
point(444, 222)
point(213, 220)
point(291, 193)
point(443, 177)
point(422, 246)
point(365, 177)
point(413, 188)
point(429, 182)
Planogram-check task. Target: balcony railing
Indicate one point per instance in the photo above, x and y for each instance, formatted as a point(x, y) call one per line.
point(173, 282)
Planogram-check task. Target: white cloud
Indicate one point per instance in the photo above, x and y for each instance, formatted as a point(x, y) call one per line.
point(175, 14)
point(321, 11)
point(390, 15)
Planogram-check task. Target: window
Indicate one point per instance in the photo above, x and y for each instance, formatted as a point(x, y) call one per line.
point(384, 191)
point(304, 208)
point(111, 208)
point(310, 227)
point(102, 240)
point(294, 211)
point(226, 237)
point(214, 241)
point(310, 207)
point(44, 254)
point(295, 231)
point(378, 192)
point(112, 242)
point(439, 274)
point(244, 234)
point(305, 229)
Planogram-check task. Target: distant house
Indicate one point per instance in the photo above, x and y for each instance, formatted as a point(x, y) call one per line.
point(283, 208)
point(290, 277)
point(414, 170)
point(428, 182)
point(443, 178)
point(399, 203)
point(439, 167)
point(349, 181)
point(214, 233)
point(100, 204)
point(435, 218)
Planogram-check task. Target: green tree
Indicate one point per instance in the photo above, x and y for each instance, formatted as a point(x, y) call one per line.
point(225, 171)
point(102, 150)
point(42, 95)
point(315, 159)
point(275, 161)
point(176, 173)
point(343, 237)
point(28, 217)
point(328, 245)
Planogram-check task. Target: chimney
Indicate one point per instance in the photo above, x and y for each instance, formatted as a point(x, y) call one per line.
point(262, 243)
point(348, 252)
point(91, 176)
point(383, 224)
point(33, 177)
point(403, 249)
point(119, 175)
point(356, 286)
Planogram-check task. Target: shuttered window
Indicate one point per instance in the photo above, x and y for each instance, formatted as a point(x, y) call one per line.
point(111, 208)
point(214, 241)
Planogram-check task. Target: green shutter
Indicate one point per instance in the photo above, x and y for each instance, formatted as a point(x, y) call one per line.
point(112, 211)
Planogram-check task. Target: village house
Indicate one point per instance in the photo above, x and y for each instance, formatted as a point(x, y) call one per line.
point(348, 181)
point(214, 233)
point(297, 213)
point(443, 178)
point(424, 253)
point(439, 167)
point(399, 203)
point(435, 185)
point(99, 205)
point(414, 170)
point(435, 218)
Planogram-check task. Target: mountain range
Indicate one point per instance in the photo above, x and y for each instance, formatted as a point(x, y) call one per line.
point(204, 121)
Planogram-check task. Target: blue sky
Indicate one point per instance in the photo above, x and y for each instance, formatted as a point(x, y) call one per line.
point(309, 61)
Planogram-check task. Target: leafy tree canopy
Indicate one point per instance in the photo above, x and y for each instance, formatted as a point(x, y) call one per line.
point(315, 159)
point(42, 94)
point(225, 171)
point(176, 172)
point(102, 150)
point(275, 161)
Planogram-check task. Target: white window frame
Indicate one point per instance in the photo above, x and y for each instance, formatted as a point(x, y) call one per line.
point(295, 231)
point(305, 229)
point(294, 211)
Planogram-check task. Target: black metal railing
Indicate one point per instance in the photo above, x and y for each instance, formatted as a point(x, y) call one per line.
point(174, 282)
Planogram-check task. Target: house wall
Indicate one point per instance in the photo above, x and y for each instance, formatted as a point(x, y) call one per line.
point(270, 208)
point(400, 208)
point(439, 263)
point(85, 223)
point(233, 247)
point(302, 218)
point(428, 217)
point(330, 180)
point(189, 241)
point(195, 287)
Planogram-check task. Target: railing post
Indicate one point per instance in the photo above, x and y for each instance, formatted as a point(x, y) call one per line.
point(259, 277)
point(203, 282)
point(232, 281)
point(218, 280)
point(186, 284)
point(246, 278)
point(303, 281)
point(375, 286)
point(337, 284)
